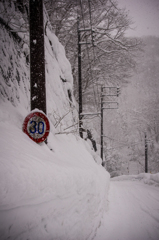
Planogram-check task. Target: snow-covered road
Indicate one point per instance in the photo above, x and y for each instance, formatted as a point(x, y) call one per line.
point(133, 212)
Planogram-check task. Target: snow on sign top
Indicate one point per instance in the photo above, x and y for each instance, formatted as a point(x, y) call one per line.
point(36, 126)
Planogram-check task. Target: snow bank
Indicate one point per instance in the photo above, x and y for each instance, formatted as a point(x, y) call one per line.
point(53, 191)
point(47, 194)
point(148, 178)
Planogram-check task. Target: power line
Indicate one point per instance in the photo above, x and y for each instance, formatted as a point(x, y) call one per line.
point(124, 143)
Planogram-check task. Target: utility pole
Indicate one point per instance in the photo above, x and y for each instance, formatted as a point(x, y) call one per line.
point(80, 74)
point(79, 81)
point(37, 56)
point(109, 105)
point(101, 152)
point(146, 154)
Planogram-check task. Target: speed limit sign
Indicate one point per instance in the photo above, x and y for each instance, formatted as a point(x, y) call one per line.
point(36, 126)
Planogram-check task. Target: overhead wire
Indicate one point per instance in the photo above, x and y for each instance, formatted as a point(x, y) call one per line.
point(124, 144)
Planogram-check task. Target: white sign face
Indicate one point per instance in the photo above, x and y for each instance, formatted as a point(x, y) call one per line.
point(36, 127)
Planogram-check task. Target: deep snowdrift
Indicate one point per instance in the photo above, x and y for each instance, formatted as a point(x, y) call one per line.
point(53, 191)
point(47, 194)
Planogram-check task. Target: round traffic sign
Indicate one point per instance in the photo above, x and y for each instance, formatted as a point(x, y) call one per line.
point(36, 126)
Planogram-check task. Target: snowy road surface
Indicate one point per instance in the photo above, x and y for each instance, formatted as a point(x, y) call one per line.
point(133, 212)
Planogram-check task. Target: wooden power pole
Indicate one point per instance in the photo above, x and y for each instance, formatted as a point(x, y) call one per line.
point(37, 56)
point(146, 154)
point(79, 81)
point(101, 152)
point(109, 105)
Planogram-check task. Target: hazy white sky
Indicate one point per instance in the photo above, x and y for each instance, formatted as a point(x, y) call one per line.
point(145, 15)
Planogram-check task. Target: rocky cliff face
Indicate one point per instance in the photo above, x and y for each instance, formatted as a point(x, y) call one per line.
point(15, 73)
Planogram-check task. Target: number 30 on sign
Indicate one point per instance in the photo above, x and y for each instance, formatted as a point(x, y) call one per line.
point(36, 126)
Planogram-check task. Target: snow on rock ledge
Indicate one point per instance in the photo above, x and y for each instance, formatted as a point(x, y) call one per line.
point(14, 69)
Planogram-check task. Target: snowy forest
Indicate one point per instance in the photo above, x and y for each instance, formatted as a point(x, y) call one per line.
point(111, 59)
point(60, 189)
point(108, 58)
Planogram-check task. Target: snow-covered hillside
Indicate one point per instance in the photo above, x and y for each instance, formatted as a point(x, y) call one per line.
point(53, 191)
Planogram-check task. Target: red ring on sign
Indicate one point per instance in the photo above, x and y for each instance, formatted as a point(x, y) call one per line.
point(47, 130)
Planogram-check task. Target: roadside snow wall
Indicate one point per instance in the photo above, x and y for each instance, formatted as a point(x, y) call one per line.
point(54, 191)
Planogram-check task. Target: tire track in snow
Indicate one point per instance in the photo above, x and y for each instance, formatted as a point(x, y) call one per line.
point(133, 212)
